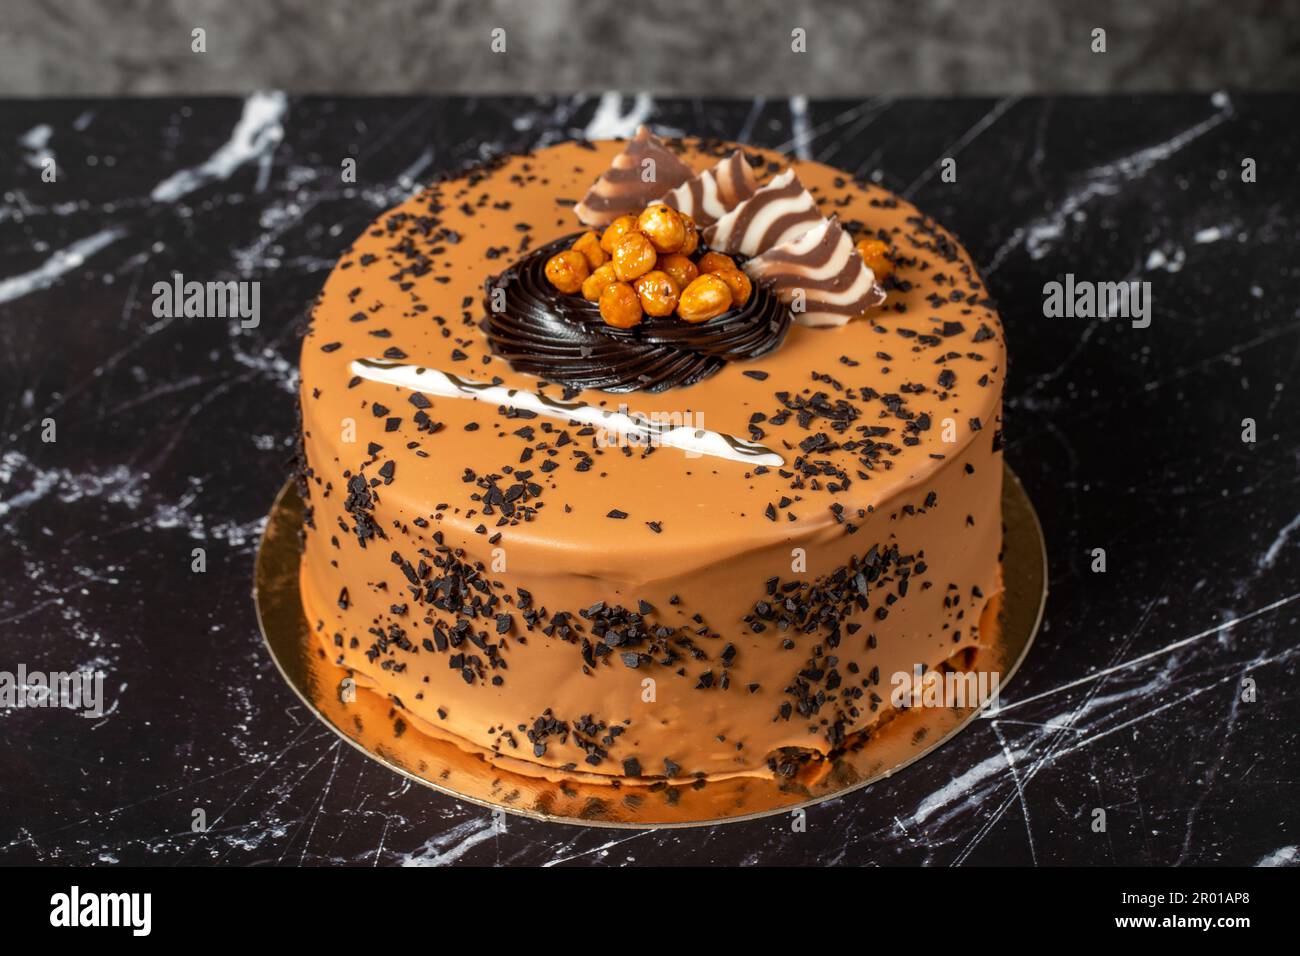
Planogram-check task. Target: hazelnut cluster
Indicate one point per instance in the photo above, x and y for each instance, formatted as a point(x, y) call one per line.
point(641, 265)
point(875, 253)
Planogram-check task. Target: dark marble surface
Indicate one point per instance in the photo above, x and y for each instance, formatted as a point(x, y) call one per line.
point(174, 433)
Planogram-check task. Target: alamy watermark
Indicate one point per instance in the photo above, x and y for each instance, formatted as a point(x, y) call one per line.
point(71, 690)
point(209, 300)
point(75, 908)
point(944, 688)
point(650, 429)
point(1084, 299)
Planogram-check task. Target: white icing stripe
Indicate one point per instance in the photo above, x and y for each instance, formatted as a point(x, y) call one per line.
point(693, 441)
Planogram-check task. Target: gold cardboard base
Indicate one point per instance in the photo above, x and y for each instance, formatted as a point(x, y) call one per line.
point(367, 722)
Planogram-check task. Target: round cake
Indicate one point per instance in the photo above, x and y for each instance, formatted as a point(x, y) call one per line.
point(584, 540)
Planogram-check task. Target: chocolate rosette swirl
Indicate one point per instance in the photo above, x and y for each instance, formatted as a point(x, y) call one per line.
point(562, 338)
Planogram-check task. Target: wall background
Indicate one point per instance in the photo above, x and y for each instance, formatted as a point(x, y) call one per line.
point(700, 47)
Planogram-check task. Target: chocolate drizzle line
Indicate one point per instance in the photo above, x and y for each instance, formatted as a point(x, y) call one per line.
point(562, 338)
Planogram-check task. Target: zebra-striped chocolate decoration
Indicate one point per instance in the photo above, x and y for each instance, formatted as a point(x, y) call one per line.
point(622, 188)
point(715, 192)
point(779, 212)
point(836, 284)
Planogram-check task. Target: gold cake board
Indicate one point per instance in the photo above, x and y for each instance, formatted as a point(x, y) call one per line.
point(368, 722)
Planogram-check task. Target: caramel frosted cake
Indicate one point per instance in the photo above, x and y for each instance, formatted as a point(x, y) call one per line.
point(651, 460)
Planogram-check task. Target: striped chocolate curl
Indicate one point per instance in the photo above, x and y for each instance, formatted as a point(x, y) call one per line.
point(622, 190)
point(716, 191)
point(823, 265)
point(778, 213)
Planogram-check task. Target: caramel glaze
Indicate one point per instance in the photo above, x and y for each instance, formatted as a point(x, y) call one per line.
point(585, 610)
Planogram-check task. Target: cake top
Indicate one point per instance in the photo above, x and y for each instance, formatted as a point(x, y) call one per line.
point(759, 421)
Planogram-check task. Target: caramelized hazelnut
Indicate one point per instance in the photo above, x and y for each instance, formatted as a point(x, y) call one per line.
point(615, 231)
point(566, 270)
point(738, 283)
point(663, 227)
point(589, 245)
point(715, 262)
point(658, 293)
point(679, 268)
point(620, 306)
point(595, 283)
point(705, 298)
point(633, 257)
point(873, 252)
point(692, 240)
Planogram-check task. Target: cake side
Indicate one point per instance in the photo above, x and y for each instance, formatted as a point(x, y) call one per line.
point(615, 614)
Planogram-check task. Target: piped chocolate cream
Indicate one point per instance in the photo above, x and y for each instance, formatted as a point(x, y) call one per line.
point(820, 274)
point(643, 172)
point(562, 338)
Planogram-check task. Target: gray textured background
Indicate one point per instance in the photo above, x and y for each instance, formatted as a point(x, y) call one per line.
point(701, 47)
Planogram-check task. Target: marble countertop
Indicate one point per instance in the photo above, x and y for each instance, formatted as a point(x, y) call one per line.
point(1163, 691)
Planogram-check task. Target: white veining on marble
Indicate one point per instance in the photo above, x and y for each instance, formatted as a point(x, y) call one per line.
point(35, 143)
point(962, 785)
point(119, 486)
point(847, 123)
point(1283, 856)
point(452, 844)
point(1040, 235)
point(254, 138)
point(799, 127)
point(59, 264)
point(612, 122)
point(1170, 259)
point(1269, 557)
point(746, 132)
point(601, 850)
point(1150, 655)
point(1097, 717)
point(953, 149)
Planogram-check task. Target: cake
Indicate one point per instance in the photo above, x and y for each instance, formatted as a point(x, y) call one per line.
point(679, 550)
